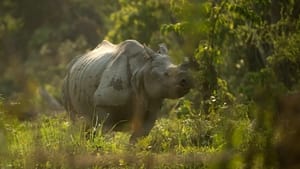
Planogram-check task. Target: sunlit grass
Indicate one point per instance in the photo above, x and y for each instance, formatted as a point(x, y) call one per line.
point(57, 142)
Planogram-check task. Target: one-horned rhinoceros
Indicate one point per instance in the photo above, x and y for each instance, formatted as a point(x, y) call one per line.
point(124, 82)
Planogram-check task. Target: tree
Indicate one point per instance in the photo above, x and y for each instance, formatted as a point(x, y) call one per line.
point(139, 20)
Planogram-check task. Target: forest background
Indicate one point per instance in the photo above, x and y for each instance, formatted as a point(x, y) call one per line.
point(244, 56)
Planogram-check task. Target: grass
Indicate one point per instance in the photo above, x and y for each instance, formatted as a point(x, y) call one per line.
point(53, 141)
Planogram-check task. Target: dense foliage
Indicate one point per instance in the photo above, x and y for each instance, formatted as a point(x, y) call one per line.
point(244, 56)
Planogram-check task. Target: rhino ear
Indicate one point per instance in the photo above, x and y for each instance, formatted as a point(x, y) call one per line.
point(150, 54)
point(163, 49)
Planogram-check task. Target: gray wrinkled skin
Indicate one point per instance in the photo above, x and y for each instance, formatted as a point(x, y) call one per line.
point(124, 82)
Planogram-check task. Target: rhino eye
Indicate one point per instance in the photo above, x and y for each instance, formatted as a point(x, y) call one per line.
point(166, 74)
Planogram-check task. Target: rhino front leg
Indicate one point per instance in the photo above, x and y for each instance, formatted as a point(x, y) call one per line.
point(137, 126)
point(143, 121)
point(141, 127)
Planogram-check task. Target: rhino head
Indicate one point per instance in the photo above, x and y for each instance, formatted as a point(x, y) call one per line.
point(162, 78)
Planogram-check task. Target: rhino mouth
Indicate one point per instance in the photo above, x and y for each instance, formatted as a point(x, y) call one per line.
point(183, 85)
point(181, 91)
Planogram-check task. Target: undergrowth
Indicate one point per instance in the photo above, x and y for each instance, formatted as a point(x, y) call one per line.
point(192, 142)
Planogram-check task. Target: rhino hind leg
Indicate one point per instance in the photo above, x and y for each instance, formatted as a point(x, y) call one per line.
point(105, 119)
point(95, 122)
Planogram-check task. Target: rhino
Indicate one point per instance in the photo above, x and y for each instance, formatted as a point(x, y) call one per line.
point(121, 82)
